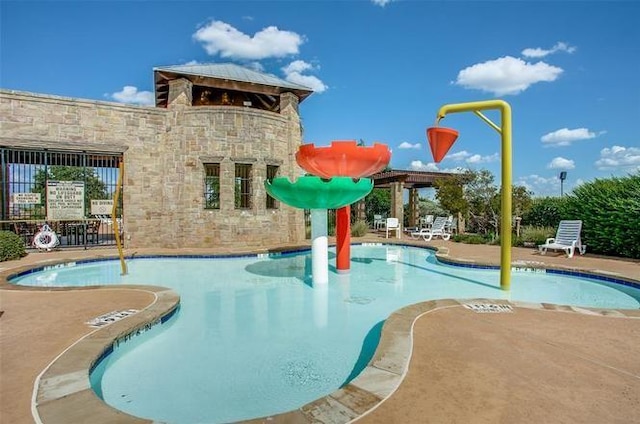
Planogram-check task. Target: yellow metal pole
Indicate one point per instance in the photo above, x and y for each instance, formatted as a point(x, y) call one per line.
point(506, 169)
point(114, 218)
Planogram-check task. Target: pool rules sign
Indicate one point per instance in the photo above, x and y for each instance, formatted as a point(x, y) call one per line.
point(65, 200)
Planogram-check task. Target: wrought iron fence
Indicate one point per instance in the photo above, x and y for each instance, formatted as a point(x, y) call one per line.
point(69, 191)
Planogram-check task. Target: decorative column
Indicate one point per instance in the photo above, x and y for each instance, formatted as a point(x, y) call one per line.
point(397, 204)
point(413, 207)
point(343, 239)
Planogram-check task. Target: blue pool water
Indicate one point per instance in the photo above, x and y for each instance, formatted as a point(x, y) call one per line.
point(252, 336)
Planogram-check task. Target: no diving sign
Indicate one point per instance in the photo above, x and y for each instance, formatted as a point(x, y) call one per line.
point(488, 308)
point(101, 207)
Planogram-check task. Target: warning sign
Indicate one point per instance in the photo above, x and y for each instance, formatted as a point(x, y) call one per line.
point(25, 198)
point(65, 200)
point(101, 207)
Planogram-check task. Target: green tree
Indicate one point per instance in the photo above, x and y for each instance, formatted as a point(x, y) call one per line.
point(484, 202)
point(94, 187)
point(521, 199)
point(378, 202)
point(450, 193)
point(475, 195)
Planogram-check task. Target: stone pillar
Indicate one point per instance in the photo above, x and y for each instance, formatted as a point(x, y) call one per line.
point(289, 100)
point(180, 93)
point(413, 207)
point(397, 204)
point(361, 214)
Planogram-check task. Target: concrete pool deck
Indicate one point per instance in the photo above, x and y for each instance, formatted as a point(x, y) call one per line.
point(539, 363)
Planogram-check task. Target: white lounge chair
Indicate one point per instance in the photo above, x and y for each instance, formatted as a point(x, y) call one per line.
point(393, 224)
point(567, 238)
point(437, 229)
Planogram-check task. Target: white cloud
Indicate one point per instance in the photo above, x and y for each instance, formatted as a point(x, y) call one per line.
point(381, 3)
point(218, 37)
point(565, 136)
point(417, 165)
point(540, 186)
point(293, 73)
point(561, 163)
point(470, 158)
point(458, 156)
point(620, 158)
point(130, 94)
point(297, 66)
point(538, 52)
point(256, 66)
point(506, 75)
point(405, 145)
point(474, 159)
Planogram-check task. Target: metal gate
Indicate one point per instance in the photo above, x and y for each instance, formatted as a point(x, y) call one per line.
point(71, 192)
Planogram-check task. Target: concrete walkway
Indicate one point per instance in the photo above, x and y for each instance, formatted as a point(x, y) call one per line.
point(543, 364)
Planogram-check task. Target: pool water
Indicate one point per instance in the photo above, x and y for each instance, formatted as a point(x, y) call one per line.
point(253, 337)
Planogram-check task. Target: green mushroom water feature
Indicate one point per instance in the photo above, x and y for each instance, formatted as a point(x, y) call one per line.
point(318, 195)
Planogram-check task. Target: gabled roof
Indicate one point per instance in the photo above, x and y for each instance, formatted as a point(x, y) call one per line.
point(410, 179)
point(226, 75)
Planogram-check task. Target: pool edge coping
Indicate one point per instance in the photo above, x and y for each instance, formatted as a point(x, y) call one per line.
point(376, 383)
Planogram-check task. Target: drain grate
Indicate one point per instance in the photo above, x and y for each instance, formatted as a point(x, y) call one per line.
point(110, 317)
point(488, 308)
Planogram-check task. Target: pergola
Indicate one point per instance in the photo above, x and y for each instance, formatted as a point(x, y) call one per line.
point(399, 179)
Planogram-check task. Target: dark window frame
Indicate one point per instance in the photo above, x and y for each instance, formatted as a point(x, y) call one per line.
point(211, 193)
point(272, 172)
point(243, 186)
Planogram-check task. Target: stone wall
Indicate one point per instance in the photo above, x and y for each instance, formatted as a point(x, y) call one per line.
point(164, 155)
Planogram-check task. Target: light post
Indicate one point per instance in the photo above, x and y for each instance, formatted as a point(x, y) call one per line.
point(563, 176)
point(441, 140)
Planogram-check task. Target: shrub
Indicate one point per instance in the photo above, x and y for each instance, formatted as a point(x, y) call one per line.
point(11, 246)
point(546, 212)
point(610, 213)
point(534, 234)
point(470, 238)
point(359, 228)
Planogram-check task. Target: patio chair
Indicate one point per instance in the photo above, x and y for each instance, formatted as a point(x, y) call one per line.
point(378, 222)
point(393, 224)
point(567, 238)
point(437, 229)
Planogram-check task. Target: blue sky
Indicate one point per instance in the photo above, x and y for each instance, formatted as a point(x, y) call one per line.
point(380, 69)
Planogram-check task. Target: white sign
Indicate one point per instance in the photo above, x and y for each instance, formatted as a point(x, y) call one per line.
point(488, 308)
point(101, 207)
point(25, 198)
point(65, 200)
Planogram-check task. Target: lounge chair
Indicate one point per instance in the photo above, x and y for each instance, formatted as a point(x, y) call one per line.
point(437, 229)
point(567, 238)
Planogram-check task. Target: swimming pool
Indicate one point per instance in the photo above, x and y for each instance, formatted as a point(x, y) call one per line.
point(254, 338)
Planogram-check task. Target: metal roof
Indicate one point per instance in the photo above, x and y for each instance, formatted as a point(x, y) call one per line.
point(233, 72)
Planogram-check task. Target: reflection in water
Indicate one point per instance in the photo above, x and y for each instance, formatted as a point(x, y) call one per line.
point(320, 305)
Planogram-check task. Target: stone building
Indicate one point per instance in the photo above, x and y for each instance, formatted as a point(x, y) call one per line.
point(194, 165)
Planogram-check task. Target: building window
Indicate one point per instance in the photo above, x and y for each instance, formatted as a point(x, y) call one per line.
point(272, 172)
point(212, 186)
point(243, 190)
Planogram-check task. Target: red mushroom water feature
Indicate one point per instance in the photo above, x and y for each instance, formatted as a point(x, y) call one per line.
point(344, 158)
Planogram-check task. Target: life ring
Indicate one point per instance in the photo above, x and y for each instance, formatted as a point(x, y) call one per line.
point(46, 238)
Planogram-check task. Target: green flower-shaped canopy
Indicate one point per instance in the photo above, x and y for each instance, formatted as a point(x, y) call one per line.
point(310, 192)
